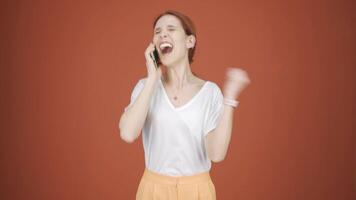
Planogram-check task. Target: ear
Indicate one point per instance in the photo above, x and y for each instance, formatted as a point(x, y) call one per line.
point(190, 41)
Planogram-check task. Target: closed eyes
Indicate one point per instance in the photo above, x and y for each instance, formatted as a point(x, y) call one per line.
point(169, 27)
point(168, 30)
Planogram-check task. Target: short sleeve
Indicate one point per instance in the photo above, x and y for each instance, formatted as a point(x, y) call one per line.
point(135, 92)
point(215, 110)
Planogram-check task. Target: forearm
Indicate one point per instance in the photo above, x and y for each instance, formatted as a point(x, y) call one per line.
point(222, 134)
point(218, 141)
point(132, 121)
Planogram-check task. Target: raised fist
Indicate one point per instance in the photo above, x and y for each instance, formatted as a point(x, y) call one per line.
point(236, 80)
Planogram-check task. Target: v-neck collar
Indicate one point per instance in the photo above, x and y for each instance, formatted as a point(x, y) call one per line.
point(186, 104)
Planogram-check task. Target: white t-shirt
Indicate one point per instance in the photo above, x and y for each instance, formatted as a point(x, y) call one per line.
point(173, 137)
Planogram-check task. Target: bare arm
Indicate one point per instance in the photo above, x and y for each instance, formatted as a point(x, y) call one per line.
point(133, 119)
point(217, 142)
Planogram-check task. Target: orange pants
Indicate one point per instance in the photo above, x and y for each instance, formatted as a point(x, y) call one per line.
point(154, 186)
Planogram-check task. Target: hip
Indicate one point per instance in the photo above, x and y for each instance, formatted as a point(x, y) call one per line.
point(158, 186)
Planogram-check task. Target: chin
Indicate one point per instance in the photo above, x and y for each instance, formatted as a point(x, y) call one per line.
point(171, 61)
point(168, 62)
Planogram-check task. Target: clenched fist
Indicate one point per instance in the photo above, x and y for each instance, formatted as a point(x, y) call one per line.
point(236, 80)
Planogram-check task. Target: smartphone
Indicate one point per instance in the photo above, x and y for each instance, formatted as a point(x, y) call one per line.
point(155, 57)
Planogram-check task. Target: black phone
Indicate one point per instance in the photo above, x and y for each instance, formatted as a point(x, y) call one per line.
point(155, 58)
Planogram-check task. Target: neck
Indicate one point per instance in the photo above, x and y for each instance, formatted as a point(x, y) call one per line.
point(178, 75)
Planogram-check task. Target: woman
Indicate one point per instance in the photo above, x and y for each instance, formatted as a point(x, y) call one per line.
point(186, 122)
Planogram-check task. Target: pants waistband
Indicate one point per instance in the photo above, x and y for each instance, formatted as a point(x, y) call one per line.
point(171, 180)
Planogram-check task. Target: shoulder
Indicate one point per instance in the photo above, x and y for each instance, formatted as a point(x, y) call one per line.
point(139, 85)
point(212, 92)
point(213, 87)
point(141, 82)
point(208, 83)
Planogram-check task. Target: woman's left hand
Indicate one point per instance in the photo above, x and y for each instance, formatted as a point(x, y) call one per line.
point(236, 81)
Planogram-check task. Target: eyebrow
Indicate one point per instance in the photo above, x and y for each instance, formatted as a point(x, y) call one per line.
point(169, 26)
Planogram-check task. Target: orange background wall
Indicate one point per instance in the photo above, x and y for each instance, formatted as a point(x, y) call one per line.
point(68, 69)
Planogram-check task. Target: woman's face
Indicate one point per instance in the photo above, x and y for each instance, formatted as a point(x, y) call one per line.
point(171, 41)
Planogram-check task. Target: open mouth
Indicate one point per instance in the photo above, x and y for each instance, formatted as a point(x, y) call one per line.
point(166, 48)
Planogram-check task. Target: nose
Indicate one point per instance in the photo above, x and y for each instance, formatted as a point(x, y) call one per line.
point(163, 34)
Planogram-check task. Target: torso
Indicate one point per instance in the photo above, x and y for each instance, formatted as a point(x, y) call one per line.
point(186, 93)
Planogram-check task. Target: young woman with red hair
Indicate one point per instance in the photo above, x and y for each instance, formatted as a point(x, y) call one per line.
point(186, 121)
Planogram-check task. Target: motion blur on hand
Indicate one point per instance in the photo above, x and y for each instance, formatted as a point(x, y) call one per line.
point(236, 81)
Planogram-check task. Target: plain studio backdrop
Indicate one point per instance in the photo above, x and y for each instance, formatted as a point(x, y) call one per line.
point(68, 69)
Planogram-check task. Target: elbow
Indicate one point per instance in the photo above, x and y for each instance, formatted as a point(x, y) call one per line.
point(128, 140)
point(219, 159)
point(214, 155)
point(125, 137)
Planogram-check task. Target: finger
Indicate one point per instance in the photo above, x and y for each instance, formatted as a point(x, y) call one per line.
point(150, 47)
point(149, 50)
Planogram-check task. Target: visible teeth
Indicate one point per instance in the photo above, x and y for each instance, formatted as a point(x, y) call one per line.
point(164, 45)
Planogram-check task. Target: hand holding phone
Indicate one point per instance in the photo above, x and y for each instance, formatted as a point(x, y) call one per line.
point(153, 62)
point(155, 57)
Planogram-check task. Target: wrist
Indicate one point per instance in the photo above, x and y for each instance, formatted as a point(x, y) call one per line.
point(230, 102)
point(230, 96)
point(152, 78)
